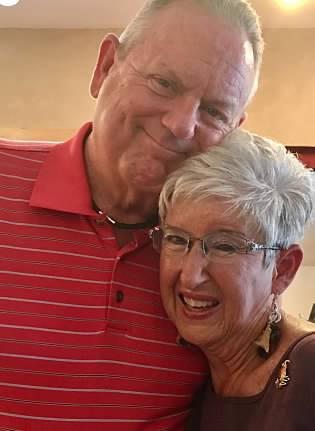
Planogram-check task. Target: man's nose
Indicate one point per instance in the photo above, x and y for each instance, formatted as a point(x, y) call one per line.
point(181, 119)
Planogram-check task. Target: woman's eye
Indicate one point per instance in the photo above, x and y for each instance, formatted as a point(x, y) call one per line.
point(226, 247)
point(175, 240)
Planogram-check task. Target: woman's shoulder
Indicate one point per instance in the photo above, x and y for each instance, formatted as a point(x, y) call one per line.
point(303, 350)
point(299, 337)
point(298, 362)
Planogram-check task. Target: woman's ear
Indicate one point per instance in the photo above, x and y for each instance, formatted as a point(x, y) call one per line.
point(287, 264)
point(105, 60)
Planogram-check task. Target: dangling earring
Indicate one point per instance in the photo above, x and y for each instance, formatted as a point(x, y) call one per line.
point(271, 334)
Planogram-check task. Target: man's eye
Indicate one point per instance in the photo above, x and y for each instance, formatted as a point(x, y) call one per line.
point(161, 86)
point(175, 240)
point(163, 82)
point(215, 113)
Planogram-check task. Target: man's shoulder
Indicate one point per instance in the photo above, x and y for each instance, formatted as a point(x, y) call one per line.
point(26, 146)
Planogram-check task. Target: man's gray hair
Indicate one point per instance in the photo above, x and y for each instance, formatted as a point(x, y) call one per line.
point(257, 178)
point(239, 13)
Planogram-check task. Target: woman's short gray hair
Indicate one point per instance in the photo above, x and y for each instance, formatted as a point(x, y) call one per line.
point(257, 178)
point(239, 13)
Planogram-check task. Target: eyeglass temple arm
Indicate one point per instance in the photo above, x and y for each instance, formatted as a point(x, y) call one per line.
point(254, 246)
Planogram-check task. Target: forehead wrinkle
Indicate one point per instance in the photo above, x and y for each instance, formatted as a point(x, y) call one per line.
point(232, 85)
point(240, 83)
point(199, 74)
point(228, 66)
point(223, 230)
point(222, 53)
point(203, 88)
point(193, 65)
point(172, 75)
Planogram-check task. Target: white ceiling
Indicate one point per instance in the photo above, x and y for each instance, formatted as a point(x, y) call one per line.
point(115, 14)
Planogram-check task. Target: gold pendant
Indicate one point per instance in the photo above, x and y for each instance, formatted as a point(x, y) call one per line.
point(283, 378)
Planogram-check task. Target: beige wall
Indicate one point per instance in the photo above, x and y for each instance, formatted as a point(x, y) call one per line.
point(45, 76)
point(284, 107)
point(300, 295)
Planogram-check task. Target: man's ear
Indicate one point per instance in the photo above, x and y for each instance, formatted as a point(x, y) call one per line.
point(242, 119)
point(106, 58)
point(287, 264)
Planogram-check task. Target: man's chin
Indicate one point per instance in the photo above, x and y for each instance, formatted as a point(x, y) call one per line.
point(145, 184)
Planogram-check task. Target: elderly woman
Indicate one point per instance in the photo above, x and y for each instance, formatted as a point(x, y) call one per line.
point(230, 222)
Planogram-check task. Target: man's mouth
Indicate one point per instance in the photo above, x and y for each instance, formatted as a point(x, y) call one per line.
point(171, 149)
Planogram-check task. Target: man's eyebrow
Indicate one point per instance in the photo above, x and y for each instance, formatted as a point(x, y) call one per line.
point(205, 100)
point(171, 75)
point(162, 69)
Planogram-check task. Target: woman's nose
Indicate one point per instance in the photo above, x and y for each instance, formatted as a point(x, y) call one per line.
point(194, 267)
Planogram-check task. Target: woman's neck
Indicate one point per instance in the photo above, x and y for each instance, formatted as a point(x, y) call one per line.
point(230, 371)
point(240, 371)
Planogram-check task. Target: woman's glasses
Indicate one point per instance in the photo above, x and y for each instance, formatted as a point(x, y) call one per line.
point(215, 245)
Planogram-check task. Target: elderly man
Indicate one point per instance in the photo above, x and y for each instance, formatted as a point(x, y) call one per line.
point(85, 342)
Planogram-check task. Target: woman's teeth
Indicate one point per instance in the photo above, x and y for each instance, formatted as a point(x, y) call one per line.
point(196, 303)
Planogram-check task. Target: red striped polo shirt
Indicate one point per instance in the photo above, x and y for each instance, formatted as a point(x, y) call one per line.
point(85, 343)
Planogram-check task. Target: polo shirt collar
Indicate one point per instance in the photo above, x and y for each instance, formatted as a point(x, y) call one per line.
point(62, 183)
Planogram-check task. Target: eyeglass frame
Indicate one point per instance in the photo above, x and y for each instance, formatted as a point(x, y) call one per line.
point(252, 246)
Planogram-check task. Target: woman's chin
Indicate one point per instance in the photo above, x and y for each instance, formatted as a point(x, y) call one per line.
point(195, 336)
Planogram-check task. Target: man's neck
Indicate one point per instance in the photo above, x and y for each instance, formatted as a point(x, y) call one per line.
point(122, 203)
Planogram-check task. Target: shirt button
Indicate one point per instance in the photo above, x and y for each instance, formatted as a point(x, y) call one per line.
point(119, 296)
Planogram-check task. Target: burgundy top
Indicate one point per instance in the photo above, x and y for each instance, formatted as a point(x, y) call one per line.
point(290, 407)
